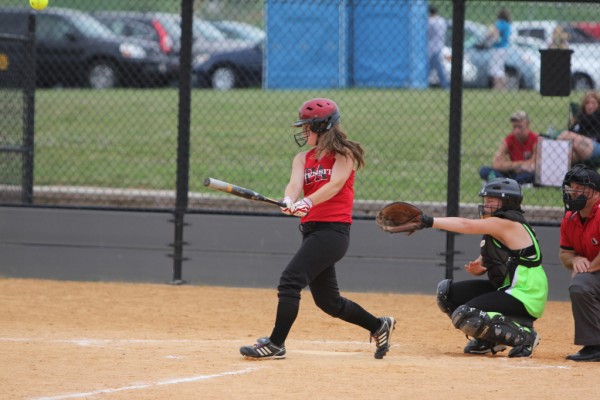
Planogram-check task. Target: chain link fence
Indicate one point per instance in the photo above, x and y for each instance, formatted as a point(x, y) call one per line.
point(107, 98)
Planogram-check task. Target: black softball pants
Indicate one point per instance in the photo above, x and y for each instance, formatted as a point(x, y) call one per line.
point(313, 265)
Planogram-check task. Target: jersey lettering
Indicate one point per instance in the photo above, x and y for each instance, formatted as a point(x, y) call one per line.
point(317, 174)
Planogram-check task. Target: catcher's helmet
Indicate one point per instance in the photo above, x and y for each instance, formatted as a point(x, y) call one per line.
point(584, 176)
point(506, 189)
point(321, 114)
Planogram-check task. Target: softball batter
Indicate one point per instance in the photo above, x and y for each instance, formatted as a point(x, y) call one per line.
point(325, 176)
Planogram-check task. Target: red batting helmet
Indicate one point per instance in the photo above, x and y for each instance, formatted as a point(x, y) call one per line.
point(321, 114)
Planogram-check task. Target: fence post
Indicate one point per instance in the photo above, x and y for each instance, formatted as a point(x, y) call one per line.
point(454, 136)
point(29, 114)
point(183, 139)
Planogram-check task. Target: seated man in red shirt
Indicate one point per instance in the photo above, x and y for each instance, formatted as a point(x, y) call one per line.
point(515, 157)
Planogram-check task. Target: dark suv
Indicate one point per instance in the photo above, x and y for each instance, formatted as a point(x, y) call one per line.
point(75, 49)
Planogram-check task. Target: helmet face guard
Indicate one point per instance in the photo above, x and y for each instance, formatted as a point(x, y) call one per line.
point(319, 115)
point(508, 190)
point(302, 137)
point(575, 200)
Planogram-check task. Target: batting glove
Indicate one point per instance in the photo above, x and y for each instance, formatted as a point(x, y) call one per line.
point(288, 206)
point(302, 207)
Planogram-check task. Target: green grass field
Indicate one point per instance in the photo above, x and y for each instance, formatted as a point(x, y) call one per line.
point(128, 138)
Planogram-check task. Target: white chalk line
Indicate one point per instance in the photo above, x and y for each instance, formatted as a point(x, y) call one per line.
point(148, 385)
point(107, 342)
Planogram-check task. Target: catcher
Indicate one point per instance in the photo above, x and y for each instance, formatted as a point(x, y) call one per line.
point(498, 311)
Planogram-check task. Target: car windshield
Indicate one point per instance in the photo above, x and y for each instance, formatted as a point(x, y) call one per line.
point(240, 31)
point(207, 31)
point(91, 27)
point(474, 35)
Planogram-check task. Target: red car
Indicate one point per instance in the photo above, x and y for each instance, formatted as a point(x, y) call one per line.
point(592, 28)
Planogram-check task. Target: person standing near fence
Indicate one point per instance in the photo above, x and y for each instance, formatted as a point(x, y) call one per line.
point(579, 253)
point(324, 175)
point(499, 35)
point(516, 154)
point(437, 28)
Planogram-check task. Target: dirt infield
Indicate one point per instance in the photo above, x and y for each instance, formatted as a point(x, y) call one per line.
point(69, 340)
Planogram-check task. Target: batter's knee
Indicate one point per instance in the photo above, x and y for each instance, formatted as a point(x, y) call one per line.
point(336, 307)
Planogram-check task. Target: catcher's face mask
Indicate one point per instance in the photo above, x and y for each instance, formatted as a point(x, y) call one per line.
point(578, 186)
point(490, 206)
point(575, 196)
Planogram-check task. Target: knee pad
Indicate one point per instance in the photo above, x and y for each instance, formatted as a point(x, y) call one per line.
point(494, 327)
point(472, 321)
point(442, 297)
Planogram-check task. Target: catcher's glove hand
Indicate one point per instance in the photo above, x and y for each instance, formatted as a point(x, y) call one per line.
point(402, 217)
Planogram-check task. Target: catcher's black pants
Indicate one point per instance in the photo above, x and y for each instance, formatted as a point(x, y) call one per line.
point(482, 294)
point(313, 265)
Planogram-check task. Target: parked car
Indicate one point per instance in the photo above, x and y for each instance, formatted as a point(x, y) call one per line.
point(522, 64)
point(591, 28)
point(165, 29)
point(240, 30)
point(543, 30)
point(230, 69)
point(75, 49)
point(585, 64)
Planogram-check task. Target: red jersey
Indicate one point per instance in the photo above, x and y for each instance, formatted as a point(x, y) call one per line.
point(581, 237)
point(316, 174)
point(521, 151)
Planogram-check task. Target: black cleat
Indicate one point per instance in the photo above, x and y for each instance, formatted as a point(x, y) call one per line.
point(526, 349)
point(263, 350)
point(480, 346)
point(383, 336)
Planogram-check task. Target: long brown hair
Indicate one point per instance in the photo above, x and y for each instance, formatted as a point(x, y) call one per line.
point(588, 95)
point(335, 141)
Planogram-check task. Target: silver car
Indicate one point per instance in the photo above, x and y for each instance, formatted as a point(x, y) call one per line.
point(522, 64)
point(585, 67)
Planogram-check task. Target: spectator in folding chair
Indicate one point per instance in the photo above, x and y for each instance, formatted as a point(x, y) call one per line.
point(515, 157)
point(585, 131)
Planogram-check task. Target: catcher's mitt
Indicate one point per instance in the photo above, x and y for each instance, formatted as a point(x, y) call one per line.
point(402, 217)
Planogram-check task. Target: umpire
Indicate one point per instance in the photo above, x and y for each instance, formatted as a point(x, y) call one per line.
point(579, 249)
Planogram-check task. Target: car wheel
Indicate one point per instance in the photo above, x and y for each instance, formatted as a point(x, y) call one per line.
point(513, 79)
point(582, 82)
point(223, 78)
point(102, 75)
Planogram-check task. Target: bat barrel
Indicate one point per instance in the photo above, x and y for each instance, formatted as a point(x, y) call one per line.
point(238, 191)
